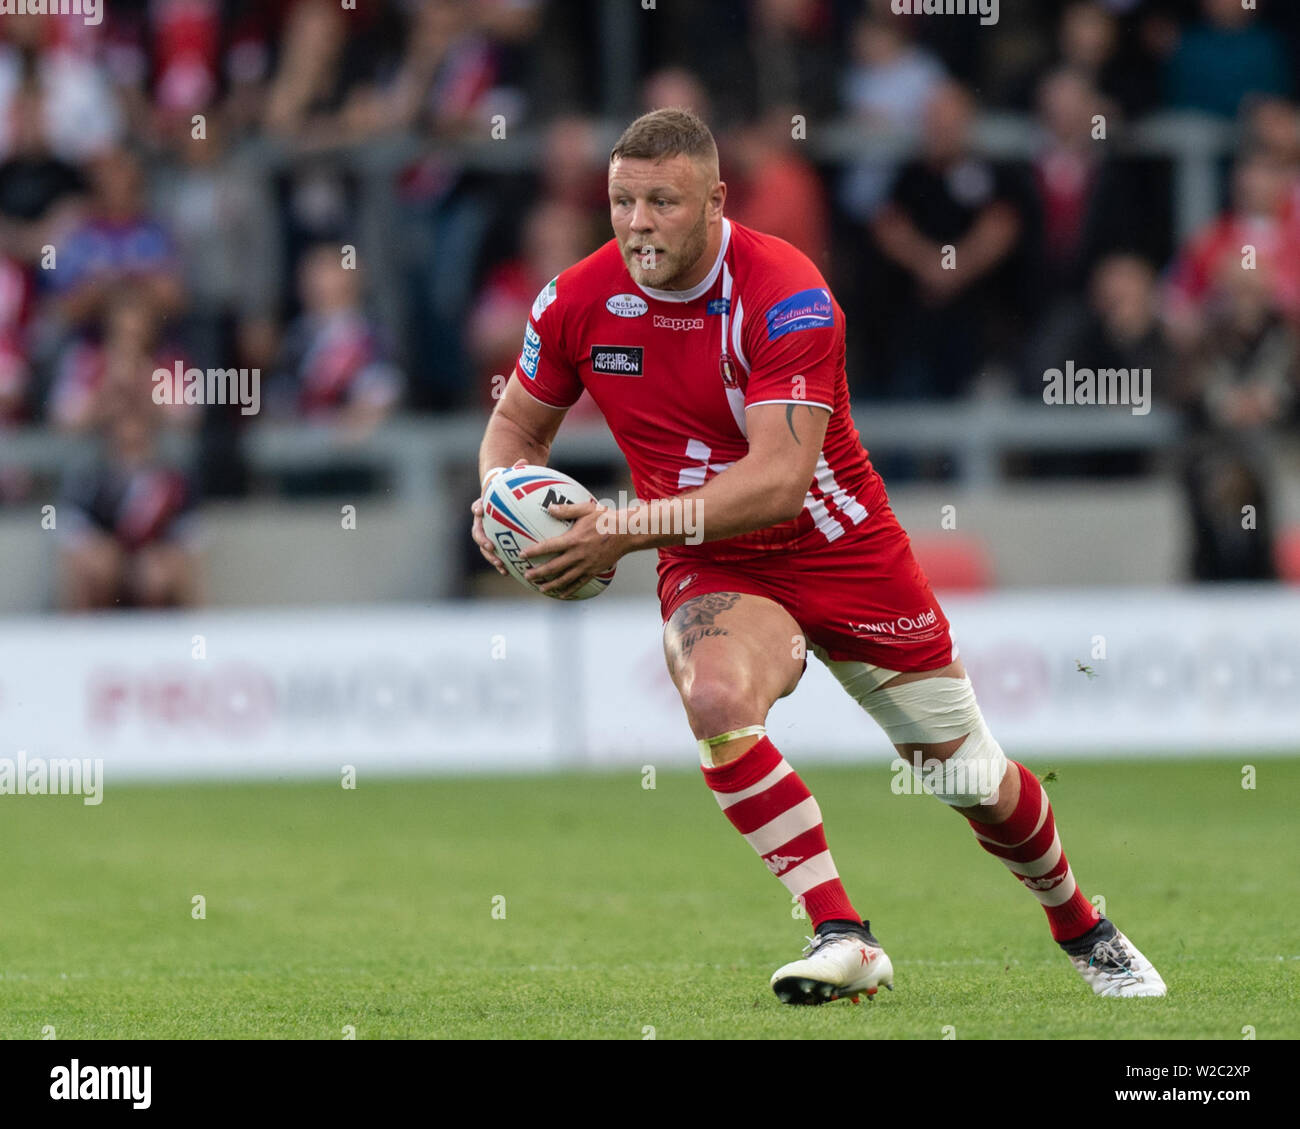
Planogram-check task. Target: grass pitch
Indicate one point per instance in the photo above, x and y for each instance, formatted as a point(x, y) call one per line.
point(628, 913)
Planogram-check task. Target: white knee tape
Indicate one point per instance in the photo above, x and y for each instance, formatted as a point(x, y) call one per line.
point(925, 711)
point(971, 775)
point(931, 710)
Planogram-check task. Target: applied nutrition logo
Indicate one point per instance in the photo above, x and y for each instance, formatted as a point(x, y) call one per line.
point(617, 360)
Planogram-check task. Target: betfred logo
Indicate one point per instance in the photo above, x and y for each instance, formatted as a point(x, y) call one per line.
point(617, 360)
point(662, 322)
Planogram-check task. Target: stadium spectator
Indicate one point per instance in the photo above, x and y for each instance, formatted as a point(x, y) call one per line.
point(227, 236)
point(1240, 390)
point(952, 220)
point(1119, 326)
point(332, 366)
point(127, 525)
point(15, 372)
point(328, 59)
point(773, 188)
point(1082, 194)
point(1260, 230)
point(675, 86)
point(1098, 42)
point(119, 242)
point(1220, 60)
point(1272, 127)
point(573, 168)
point(886, 85)
point(445, 89)
point(555, 236)
point(113, 365)
point(792, 51)
point(82, 116)
point(39, 192)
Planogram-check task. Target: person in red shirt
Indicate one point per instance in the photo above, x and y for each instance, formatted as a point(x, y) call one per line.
point(716, 354)
point(1260, 231)
point(781, 192)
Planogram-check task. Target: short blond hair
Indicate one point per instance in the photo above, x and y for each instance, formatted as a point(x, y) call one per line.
point(666, 133)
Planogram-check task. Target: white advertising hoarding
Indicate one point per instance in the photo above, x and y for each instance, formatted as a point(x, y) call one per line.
point(533, 685)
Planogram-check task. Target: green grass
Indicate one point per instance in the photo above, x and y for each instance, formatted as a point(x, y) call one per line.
point(626, 908)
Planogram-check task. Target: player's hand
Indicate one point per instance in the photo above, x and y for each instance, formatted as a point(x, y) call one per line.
point(583, 551)
point(480, 534)
point(481, 538)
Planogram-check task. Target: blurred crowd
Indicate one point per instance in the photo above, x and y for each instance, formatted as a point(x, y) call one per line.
point(175, 191)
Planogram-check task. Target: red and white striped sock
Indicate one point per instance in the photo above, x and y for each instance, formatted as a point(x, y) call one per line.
point(1027, 843)
point(772, 808)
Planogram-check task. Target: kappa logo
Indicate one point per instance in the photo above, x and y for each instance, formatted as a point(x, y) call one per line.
point(688, 581)
point(617, 360)
point(779, 864)
point(1042, 884)
point(662, 322)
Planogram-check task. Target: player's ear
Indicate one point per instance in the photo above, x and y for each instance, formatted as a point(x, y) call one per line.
point(718, 197)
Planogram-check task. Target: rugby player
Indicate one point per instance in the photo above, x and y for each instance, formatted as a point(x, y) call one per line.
point(716, 354)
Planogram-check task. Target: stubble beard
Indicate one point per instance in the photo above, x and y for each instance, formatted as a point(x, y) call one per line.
point(693, 246)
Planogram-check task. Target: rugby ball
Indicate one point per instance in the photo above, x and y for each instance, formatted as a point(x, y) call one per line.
point(515, 516)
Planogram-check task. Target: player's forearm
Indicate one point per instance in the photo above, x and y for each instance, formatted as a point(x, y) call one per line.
point(505, 442)
point(743, 498)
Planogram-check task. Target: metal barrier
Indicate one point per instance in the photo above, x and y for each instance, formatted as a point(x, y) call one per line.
point(415, 453)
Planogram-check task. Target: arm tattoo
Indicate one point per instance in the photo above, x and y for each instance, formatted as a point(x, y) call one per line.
point(789, 420)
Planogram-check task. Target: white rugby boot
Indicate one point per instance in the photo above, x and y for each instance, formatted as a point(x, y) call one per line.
point(1111, 964)
point(842, 960)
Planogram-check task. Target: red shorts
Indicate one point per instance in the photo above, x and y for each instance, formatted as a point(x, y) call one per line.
point(861, 597)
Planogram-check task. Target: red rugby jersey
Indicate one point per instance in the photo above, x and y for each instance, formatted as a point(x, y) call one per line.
point(674, 371)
